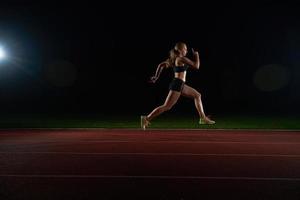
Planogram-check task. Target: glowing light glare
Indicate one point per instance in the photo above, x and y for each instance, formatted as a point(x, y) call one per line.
point(2, 53)
point(271, 77)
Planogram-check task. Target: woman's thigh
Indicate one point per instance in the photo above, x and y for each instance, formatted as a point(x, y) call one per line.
point(172, 98)
point(190, 92)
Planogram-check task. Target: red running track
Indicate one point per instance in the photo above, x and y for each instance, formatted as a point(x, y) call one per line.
point(152, 164)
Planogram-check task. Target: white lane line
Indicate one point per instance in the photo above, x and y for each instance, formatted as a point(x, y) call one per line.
point(158, 154)
point(157, 129)
point(152, 177)
point(184, 142)
point(22, 142)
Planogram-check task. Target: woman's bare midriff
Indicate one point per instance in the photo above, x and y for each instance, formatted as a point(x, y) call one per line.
point(180, 75)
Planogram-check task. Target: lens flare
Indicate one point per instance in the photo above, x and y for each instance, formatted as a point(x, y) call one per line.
point(2, 53)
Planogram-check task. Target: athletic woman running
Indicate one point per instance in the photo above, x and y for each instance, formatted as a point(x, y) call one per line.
point(177, 87)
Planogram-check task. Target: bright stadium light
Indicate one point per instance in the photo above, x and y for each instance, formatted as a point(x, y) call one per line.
point(2, 53)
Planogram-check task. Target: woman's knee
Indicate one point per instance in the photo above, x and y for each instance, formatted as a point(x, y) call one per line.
point(167, 106)
point(197, 95)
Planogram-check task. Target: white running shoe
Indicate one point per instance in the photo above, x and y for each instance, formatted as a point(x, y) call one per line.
point(144, 122)
point(206, 120)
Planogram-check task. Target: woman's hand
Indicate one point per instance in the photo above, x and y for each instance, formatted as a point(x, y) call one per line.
point(195, 53)
point(153, 79)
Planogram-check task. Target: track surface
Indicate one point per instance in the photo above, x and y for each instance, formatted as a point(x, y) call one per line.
point(152, 164)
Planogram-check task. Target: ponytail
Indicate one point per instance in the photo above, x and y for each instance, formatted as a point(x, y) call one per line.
point(173, 54)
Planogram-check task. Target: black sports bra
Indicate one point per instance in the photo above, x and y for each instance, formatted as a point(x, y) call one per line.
point(180, 68)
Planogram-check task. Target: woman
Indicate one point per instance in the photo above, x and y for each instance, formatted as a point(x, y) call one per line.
point(177, 87)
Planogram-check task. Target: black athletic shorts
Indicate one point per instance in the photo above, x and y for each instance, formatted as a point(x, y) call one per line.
point(176, 85)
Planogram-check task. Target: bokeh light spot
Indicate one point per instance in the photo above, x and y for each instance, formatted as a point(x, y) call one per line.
point(61, 73)
point(271, 77)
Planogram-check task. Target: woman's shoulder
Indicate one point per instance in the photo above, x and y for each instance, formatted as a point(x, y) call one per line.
point(181, 61)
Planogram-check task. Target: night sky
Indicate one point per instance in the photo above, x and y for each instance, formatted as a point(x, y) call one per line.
point(97, 58)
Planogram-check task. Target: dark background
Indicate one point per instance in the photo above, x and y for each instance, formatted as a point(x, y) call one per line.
point(96, 58)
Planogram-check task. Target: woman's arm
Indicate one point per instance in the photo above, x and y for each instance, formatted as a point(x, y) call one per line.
point(158, 71)
point(197, 59)
point(195, 63)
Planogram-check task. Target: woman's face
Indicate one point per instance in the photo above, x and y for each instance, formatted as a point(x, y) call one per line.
point(184, 50)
